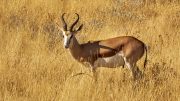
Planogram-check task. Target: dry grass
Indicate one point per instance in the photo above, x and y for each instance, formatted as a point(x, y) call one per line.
point(34, 66)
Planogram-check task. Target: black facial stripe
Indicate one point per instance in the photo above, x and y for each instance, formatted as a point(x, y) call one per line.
point(70, 38)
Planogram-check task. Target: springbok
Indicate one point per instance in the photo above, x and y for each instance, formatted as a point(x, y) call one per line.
point(113, 52)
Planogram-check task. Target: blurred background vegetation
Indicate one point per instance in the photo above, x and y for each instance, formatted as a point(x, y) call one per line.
point(34, 66)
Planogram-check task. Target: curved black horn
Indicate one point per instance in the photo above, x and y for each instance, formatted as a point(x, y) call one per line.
point(64, 23)
point(71, 28)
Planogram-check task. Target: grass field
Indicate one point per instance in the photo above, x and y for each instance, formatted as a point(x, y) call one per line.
point(34, 66)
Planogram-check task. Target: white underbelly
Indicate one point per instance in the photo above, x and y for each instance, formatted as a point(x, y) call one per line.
point(114, 61)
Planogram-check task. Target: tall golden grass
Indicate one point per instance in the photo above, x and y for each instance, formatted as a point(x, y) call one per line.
point(34, 66)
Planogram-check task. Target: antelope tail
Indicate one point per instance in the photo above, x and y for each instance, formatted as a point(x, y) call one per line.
point(145, 61)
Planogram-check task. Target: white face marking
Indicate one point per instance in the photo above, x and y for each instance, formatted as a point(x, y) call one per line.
point(65, 41)
point(67, 38)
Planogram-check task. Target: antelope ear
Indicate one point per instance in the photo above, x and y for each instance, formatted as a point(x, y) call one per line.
point(79, 28)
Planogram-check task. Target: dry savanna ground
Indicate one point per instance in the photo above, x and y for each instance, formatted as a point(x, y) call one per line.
point(34, 66)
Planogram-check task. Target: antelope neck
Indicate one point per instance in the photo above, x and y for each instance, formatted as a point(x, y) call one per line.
point(75, 48)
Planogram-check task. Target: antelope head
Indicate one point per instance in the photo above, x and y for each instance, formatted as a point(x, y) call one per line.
point(68, 35)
